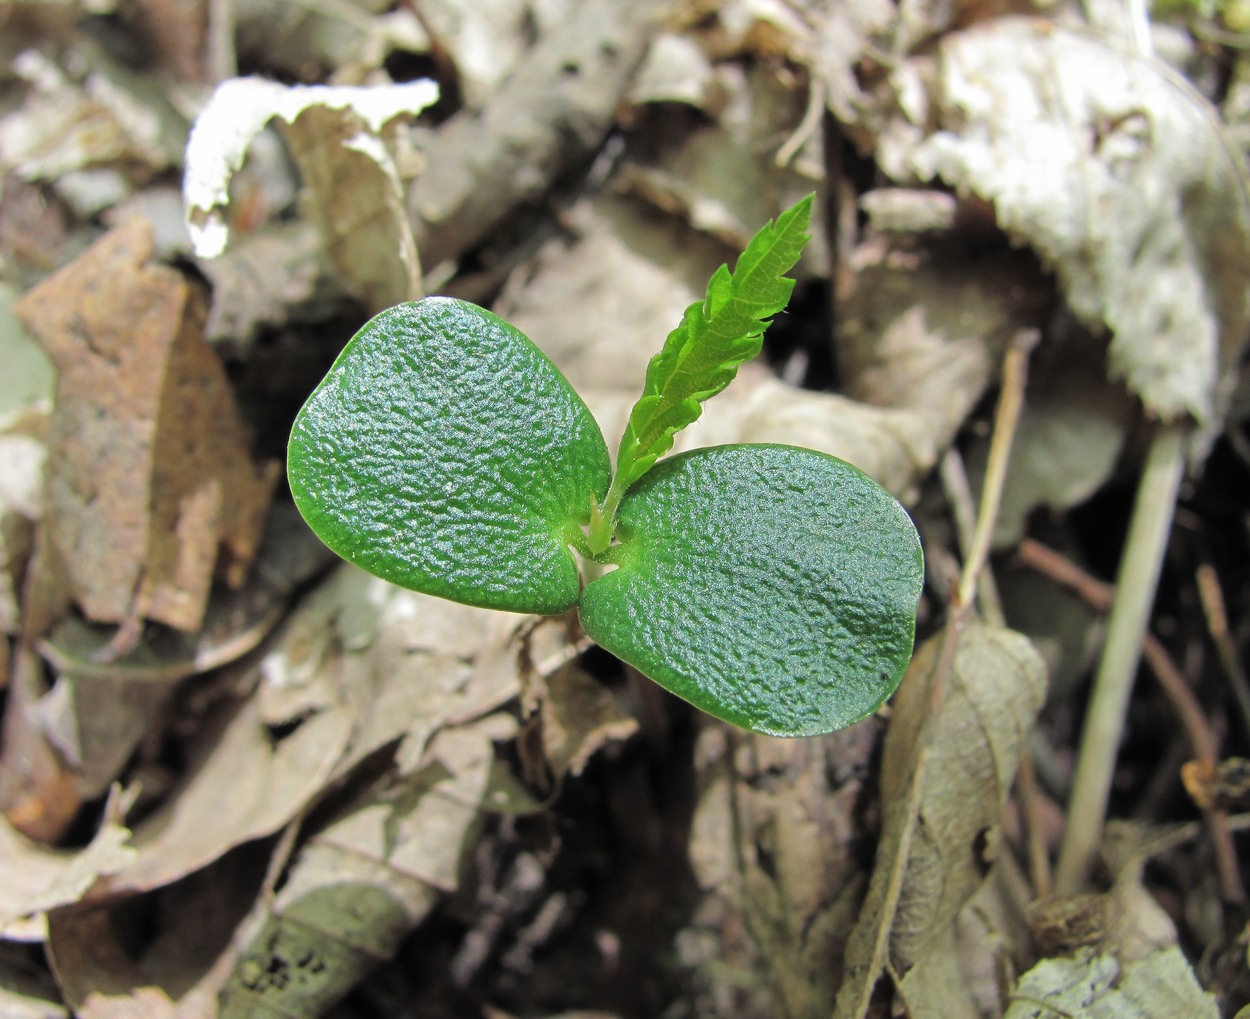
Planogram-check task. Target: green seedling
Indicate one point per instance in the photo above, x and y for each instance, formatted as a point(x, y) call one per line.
point(772, 586)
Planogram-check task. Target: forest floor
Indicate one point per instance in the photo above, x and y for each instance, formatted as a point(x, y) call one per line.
point(240, 777)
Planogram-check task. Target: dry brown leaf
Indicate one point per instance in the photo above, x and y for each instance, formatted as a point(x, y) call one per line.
point(579, 718)
point(637, 269)
point(951, 818)
point(1068, 442)
point(896, 446)
point(99, 710)
point(725, 179)
point(364, 881)
point(68, 124)
point(150, 484)
point(399, 664)
point(774, 844)
point(242, 784)
point(555, 110)
point(34, 879)
point(923, 330)
point(347, 42)
point(172, 971)
point(275, 276)
point(487, 40)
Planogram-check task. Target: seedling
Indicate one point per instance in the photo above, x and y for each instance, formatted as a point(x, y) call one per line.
point(772, 586)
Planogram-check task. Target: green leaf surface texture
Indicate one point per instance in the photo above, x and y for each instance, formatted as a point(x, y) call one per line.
point(445, 452)
point(716, 335)
point(773, 587)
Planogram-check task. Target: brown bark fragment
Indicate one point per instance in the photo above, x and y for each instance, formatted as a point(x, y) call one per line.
point(151, 490)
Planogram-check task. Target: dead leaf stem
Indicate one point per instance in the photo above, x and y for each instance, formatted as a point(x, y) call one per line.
point(1126, 628)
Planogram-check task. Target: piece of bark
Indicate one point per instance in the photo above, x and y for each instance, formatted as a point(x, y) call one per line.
point(151, 490)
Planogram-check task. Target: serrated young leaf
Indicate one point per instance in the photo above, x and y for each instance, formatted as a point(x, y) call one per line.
point(716, 335)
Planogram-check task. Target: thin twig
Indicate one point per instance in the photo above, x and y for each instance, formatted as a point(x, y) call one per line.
point(1212, 599)
point(1100, 596)
point(1039, 859)
point(963, 509)
point(1006, 418)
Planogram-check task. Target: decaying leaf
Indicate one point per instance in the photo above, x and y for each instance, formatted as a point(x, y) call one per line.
point(951, 818)
point(368, 878)
point(774, 848)
point(1100, 986)
point(1120, 175)
point(34, 880)
point(555, 109)
point(150, 486)
point(486, 41)
point(638, 271)
point(338, 136)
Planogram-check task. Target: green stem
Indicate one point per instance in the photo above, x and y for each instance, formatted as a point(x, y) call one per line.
point(603, 517)
point(1134, 596)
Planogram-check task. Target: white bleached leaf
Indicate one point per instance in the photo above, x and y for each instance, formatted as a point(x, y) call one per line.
point(239, 110)
point(1118, 173)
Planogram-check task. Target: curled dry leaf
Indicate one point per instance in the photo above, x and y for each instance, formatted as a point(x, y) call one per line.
point(1117, 171)
point(952, 816)
point(337, 136)
point(150, 484)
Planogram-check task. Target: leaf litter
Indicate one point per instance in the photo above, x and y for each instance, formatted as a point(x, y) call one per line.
point(238, 782)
